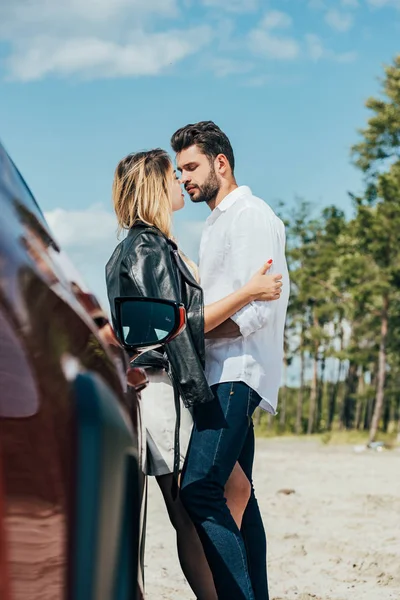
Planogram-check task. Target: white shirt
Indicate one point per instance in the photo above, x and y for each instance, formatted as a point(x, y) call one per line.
point(240, 235)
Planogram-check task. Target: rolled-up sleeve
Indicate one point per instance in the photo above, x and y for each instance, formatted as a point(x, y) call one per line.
point(252, 317)
point(253, 243)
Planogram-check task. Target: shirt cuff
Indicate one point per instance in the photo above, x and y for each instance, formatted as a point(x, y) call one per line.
point(247, 319)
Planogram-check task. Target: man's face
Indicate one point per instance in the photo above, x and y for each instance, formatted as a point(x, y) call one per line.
point(198, 175)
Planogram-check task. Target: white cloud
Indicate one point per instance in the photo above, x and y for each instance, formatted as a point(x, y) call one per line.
point(94, 38)
point(68, 17)
point(326, 5)
point(223, 67)
point(384, 3)
point(264, 42)
point(350, 3)
point(276, 19)
point(257, 81)
point(315, 48)
point(316, 4)
point(75, 228)
point(147, 54)
point(88, 237)
point(345, 57)
point(316, 51)
point(274, 47)
point(339, 21)
point(235, 6)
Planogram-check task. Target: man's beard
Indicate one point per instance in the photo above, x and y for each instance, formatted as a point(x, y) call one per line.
point(209, 190)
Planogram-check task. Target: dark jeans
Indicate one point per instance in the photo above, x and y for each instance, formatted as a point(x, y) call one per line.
point(223, 434)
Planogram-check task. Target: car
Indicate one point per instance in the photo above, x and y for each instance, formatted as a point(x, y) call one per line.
point(72, 491)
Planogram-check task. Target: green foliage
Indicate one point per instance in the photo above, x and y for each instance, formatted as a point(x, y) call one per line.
point(345, 293)
point(381, 138)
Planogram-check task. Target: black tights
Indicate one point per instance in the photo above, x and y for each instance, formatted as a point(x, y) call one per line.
point(190, 550)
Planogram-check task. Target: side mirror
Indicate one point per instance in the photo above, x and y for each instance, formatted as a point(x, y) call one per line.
point(147, 323)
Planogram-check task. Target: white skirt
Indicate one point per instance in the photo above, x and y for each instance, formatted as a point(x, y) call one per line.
point(159, 418)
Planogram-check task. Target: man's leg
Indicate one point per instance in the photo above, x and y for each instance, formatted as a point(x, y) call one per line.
point(219, 433)
point(252, 525)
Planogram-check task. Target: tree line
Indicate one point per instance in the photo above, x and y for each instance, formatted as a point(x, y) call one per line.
point(343, 324)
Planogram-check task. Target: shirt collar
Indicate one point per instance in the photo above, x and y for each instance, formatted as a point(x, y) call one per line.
point(229, 201)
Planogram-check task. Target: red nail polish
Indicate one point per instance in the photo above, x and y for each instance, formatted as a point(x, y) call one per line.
point(270, 261)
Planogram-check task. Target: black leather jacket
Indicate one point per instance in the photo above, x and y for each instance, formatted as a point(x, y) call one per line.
point(148, 264)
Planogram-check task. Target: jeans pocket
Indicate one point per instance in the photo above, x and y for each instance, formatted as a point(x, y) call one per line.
point(223, 393)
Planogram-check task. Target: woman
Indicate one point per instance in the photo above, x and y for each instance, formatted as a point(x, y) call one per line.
point(145, 193)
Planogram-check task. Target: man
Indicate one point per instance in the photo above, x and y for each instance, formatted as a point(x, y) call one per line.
point(243, 358)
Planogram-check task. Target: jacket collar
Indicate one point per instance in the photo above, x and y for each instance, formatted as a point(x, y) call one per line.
point(144, 226)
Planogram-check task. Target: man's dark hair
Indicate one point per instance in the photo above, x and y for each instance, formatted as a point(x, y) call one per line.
point(208, 137)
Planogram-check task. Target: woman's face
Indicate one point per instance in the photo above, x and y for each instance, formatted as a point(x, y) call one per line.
point(177, 197)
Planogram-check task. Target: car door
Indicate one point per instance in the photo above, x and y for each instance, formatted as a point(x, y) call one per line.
point(71, 490)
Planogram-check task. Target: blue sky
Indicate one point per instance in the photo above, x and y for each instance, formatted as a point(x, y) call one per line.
point(84, 83)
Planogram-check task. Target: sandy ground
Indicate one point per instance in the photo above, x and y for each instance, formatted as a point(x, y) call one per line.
point(336, 538)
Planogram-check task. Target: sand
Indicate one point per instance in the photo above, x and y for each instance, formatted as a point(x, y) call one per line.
point(336, 538)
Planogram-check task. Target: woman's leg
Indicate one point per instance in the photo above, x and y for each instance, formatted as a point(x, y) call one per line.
point(190, 551)
point(237, 493)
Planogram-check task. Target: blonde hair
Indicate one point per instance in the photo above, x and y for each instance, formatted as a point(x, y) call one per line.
point(140, 190)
